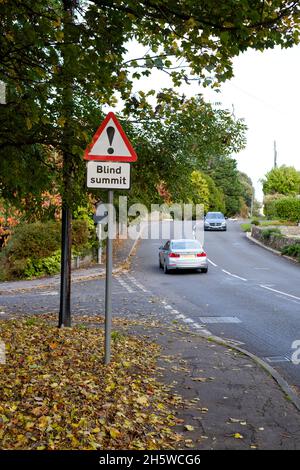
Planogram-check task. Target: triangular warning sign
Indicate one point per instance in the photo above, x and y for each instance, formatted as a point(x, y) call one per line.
point(110, 143)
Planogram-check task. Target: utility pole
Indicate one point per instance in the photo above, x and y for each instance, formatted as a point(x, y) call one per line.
point(67, 113)
point(275, 154)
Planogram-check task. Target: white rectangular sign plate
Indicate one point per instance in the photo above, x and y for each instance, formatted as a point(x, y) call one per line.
point(108, 175)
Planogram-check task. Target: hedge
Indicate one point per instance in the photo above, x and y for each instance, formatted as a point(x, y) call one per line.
point(34, 249)
point(269, 205)
point(288, 208)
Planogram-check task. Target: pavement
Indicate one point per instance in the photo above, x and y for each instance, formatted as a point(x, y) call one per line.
point(231, 401)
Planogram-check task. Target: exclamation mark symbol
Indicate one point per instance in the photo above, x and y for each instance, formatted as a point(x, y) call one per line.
point(110, 134)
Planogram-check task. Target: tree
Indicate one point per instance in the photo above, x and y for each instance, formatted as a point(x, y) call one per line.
point(63, 59)
point(183, 136)
point(224, 172)
point(36, 38)
point(282, 180)
point(200, 194)
point(216, 196)
point(247, 190)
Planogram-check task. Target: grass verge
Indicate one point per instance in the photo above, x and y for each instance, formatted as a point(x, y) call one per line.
point(246, 227)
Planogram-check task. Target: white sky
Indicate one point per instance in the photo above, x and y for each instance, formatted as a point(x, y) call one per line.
point(265, 91)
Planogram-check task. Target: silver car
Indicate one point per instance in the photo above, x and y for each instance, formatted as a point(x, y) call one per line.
point(215, 221)
point(182, 254)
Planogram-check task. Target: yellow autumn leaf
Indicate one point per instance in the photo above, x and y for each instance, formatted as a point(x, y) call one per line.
point(61, 121)
point(114, 433)
point(57, 23)
point(28, 123)
point(110, 387)
point(188, 427)
point(237, 435)
point(142, 401)
point(96, 430)
point(59, 35)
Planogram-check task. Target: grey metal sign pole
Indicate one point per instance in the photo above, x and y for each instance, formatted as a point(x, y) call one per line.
point(108, 280)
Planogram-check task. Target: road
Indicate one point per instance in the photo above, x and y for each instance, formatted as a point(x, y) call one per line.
point(249, 295)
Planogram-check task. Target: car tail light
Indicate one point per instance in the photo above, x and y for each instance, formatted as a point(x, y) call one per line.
point(201, 254)
point(174, 255)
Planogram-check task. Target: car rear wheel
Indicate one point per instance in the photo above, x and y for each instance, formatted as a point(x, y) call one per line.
point(203, 270)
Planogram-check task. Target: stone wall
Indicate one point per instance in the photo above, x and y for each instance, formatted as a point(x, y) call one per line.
point(276, 242)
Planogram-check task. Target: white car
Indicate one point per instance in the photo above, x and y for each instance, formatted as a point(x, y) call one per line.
point(182, 254)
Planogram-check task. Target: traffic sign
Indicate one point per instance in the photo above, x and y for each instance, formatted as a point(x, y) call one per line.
point(108, 175)
point(107, 168)
point(110, 143)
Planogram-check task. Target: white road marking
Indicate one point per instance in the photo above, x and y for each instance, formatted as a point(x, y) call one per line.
point(220, 320)
point(188, 320)
point(124, 284)
point(206, 332)
point(168, 307)
point(174, 311)
point(276, 359)
point(137, 283)
point(279, 296)
point(234, 275)
point(192, 323)
point(211, 262)
point(279, 292)
point(196, 325)
point(49, 293)
point(234, 341)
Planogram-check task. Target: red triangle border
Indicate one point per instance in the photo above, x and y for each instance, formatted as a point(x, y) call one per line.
point(115, 158)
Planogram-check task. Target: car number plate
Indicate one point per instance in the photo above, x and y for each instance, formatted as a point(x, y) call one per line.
point(187, 256)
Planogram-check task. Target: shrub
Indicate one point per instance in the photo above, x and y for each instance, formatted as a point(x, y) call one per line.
point(37, 240)
point(268, 232)
point(288, 208)
point(34, 249)
point(83, 236)
point(255, 222)
point(292, 250)
point(43, 266)
point(269, 205)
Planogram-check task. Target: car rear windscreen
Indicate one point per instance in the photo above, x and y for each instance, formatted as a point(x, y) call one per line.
point(186, 245)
